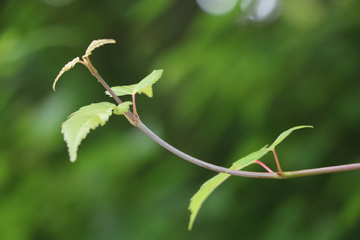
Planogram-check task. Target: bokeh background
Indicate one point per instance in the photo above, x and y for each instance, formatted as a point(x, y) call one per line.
point(236, 74)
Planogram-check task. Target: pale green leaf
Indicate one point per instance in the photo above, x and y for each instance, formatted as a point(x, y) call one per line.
point(247, 160)
point(200, 196)
point(89, 117)
point(283, 135)
point(208, 187)
point(122, 108)
point(123, 90)
point(147, 91)
point(148, 82)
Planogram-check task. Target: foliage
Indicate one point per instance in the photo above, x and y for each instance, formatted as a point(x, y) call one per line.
point(209, 186)
point(259, 80)
point(144, 86)
point(89, 117)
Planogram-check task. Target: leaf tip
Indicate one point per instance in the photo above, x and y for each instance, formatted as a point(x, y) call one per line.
point(97, 43)
point(67, 67)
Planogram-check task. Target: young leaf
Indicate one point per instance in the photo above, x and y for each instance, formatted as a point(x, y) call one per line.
point(89, 117)
point(144, 86)
point(208, 187)
point(200, 196)
point(122, 108)
point(283, 135)
point(97, 43)
point(67, 67)
point(147, 91)
point(122, 90)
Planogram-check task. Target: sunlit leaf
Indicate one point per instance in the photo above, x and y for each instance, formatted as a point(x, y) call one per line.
point(123, 90)
point(144, 86)
point(122, 108)
point(249, 159)
point(129, 90)
point(97, 43)
point(89, 117)
point(283, 135)
point(200, 196)
point(208, 187)
point(147, 91)
point(67, 67)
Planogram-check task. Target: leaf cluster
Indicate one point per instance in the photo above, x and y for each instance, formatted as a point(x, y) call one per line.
point(79, 123)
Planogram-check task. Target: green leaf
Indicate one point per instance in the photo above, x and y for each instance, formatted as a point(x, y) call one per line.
point(247, 160)
point(208, 187)
point(200, 196)
point(89, 117)
point(122, 108)
point(144, 86)
point(283, 135)
point(122, 90)
point(147, 90)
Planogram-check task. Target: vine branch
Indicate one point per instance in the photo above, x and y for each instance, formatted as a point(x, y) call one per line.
point(134, 120)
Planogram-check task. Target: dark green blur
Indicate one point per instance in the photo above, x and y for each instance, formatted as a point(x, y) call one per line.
point(228, 89)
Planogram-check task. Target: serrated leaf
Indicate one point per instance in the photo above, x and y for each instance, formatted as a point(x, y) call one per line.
point(79, 123)
point(144, 86)
point(97, 43)
point(67, 67)
point(122, 90)
point(147, 91)
point(209, 186)
point(129, 90)
point(122, 108)
point(283, 135)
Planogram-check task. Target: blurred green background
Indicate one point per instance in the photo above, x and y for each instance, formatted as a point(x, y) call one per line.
point(232, 82)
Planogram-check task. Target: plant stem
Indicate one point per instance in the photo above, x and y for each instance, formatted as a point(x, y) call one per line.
point(199, 162)
point(289, 174)
point(129, 115)
point(281, 173)
point(134, 120)
point(264, 166)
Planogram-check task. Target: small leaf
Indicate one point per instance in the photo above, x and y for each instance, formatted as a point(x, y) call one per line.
point(249, 159)
point(89, 117)
point(67, 67)
point(97, 43)
point(147, 91)
point(283, 135)
point(147, 82)
point(200, 196)
point(122, 108)
point(122, 90)
point(208, 187)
